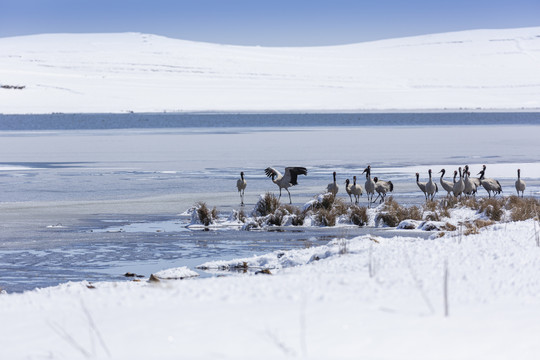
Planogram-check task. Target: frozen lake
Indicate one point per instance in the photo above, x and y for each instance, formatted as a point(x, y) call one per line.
point(67, 179)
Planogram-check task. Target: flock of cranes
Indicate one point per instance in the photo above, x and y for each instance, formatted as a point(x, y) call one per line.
point(464, 185)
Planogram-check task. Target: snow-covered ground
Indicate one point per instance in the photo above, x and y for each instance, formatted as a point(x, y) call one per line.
point(74, 73)
point(368, 297)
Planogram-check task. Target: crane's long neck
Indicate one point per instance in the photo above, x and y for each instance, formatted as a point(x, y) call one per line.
point(519, 174)
point(442, 175)
point(334, 177)
point(354, 181)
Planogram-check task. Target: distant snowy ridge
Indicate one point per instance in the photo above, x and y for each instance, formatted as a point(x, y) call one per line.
point(76, 73)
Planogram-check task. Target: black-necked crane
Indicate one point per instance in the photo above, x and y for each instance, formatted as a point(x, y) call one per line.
point(348, 188)
point(241, 186)
point(333, 186)
point(369, 185)
point(459, 185)
point(421, 185)
point(382, 187)
point(470, 187)
point(491, 185)
point(446, 185)
point(520, 184)
point(356, 190)
point(431, 187)
point(475, 180)
point(290, 178)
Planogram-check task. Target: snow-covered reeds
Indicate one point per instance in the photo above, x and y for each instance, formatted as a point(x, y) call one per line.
point(359, 215)
point(523, 208)
point(392, 213)
point(267, 204)
point(203, 214)
point(466, 216)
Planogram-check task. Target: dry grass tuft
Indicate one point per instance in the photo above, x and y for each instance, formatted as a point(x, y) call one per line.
point(328, 209)
point(327, 201)
point(267, 205)
point(431, 205)
point(432, 216)
point(242, 216)
point(393, 213)
point(206, 217)
point(522, 208)
point(297, 216)
point(340, 207)
point(359, 215)
point(276, 218)
point(326, 217)
point(492, 208)
point(479, 223)
point(449, 227)
point(475, 226)
point(471, 202)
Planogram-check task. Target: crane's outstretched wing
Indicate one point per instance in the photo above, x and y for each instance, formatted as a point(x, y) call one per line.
point(293, 172)
point(272, 172)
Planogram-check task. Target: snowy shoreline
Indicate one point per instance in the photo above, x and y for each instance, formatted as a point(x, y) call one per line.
point(336, 301)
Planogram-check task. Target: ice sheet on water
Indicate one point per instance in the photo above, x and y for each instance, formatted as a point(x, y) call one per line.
point(146, 227)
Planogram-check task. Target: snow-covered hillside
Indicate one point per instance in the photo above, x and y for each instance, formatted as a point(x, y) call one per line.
point(481, 69)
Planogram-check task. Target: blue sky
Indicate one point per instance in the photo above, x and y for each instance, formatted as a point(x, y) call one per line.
point(266, 23)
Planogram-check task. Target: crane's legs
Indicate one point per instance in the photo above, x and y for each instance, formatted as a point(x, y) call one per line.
point(290, 201)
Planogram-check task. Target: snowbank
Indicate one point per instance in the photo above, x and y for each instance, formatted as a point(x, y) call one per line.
point(382, 298)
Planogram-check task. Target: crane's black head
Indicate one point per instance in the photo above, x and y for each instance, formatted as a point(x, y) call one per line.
point(442, 171)
point(375, 179)
point(347, 181)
